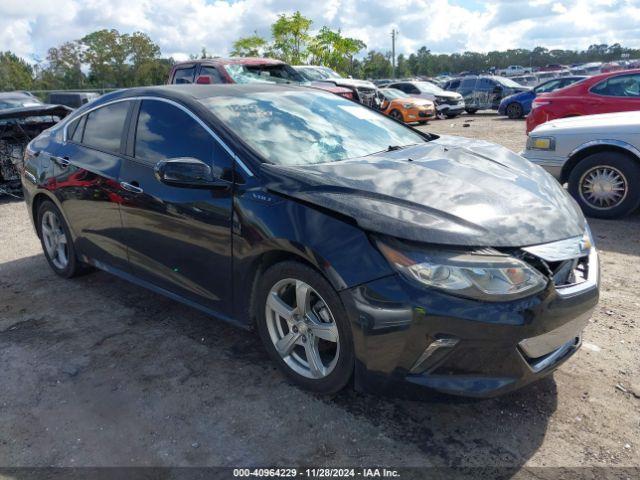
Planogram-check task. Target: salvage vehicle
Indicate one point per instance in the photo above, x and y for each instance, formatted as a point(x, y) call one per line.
point(363, 91)
point(604, 93)
point(518, 105)
point(71, 99)
point(22, 118)
point(245, 70)
point(356, 246)
point(597, 155)
point(449, 104)
point(405, 108)
point(484, 92)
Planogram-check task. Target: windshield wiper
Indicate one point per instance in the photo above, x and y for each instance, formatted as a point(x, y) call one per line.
point(392, 148)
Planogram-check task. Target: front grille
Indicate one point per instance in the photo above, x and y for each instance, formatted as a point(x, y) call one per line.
point(571, 271)
point(423, 114)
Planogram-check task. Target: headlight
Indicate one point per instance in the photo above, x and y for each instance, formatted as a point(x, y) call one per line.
point(541, 143)
point(490, 278)
point(407, 105)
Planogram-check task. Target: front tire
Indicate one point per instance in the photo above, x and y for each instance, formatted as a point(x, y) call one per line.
point(606, 184)
point(397, 115)
point(471, 111)
point(304, 327)
point(57, 242)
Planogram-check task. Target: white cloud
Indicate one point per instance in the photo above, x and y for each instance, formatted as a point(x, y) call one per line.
point(183, 27)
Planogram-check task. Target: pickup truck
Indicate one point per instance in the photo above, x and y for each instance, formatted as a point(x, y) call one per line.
point(513, 70)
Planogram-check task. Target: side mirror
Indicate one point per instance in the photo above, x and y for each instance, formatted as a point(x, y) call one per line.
point(187, 173)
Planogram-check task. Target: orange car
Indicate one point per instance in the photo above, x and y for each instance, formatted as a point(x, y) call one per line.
point(405, 108)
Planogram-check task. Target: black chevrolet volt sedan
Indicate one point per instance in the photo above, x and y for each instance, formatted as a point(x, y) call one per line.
point(357, 247)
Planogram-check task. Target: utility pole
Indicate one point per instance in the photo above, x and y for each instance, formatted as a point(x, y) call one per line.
point(394, 33)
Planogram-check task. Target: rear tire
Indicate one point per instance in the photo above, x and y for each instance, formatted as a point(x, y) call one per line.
point(300, 340)
point(514, 111)
point(57, 242)
point(606, 184)
point(471, 111)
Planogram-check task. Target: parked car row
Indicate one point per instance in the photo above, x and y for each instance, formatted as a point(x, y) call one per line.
point(251, 70)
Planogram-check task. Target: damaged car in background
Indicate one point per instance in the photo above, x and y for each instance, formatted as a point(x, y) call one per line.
point(22, 118)
point(356, 246)
point(364, 91)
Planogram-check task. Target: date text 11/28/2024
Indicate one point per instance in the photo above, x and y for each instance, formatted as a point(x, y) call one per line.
point(316, 472)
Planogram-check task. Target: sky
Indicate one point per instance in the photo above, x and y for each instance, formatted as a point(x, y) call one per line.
point(183, 27)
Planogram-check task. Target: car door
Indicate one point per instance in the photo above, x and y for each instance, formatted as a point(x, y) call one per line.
point(86, 168)
point(468, 92)
point(620, 93)
point(178, 239)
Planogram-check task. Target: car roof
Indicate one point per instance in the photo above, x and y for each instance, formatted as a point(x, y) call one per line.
point(191, 92)
point(16, 94)
point(231, 61)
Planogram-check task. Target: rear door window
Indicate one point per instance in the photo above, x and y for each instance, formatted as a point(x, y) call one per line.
point(104, 126)
point(184, 75)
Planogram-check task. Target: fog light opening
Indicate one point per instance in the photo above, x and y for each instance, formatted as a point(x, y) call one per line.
point(435, 351)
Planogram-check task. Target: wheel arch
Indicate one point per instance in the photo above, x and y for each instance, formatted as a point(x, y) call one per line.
point(266, 260)
point(596, 146)
point(40, 197)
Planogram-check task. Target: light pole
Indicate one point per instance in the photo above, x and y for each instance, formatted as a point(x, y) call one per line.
point(394, 33)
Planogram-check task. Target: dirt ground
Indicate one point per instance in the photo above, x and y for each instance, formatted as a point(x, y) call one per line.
point(97, 372)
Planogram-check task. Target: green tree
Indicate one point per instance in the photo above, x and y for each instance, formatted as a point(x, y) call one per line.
point(65, 67)
point(290, 37)
point(251, 46)
point(106, 52)
point(331, 49)
point(376, 65)
point(15, 73)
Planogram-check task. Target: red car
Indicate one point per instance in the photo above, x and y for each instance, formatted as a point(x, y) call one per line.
point(604, 93)
point(245, 70)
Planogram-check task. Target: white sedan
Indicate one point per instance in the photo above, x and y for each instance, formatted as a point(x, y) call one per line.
point(597, 155)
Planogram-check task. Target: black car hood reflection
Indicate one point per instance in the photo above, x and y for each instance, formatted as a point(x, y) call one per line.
point(452, 190)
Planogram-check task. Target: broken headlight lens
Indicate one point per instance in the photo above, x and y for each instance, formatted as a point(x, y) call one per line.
point(479, 276)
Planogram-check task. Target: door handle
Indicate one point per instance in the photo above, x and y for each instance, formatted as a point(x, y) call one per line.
point(62, 161)
point(131, 188)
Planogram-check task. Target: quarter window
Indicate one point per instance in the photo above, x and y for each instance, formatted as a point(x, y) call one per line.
point(184, 75)
point(213, 73)
point(103, 127)
point(620, 86)
point(164, 131)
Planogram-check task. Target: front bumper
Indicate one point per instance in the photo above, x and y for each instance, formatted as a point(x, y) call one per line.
point(547, 160)
point(450, 109)
point(408, 335)
point(419, 114)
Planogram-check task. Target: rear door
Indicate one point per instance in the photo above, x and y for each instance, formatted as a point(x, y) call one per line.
point(87, 167)
point(178, 239)
point(468, 92)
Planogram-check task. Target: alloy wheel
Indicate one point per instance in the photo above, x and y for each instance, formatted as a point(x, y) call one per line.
point(603, 187)
point(55, 240)
point(302, 328)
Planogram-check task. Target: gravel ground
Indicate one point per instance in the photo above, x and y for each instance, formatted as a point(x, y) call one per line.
point(98, 372)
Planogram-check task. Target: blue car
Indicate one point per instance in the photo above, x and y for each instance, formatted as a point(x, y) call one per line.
point(519, 104)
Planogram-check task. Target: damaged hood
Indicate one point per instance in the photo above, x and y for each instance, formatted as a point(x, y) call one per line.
point(452, 190)
point(34, 111)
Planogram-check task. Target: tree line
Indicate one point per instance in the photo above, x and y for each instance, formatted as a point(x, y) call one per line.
point(110, 59)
